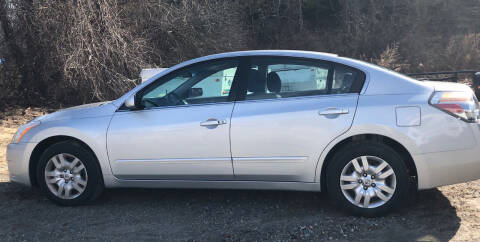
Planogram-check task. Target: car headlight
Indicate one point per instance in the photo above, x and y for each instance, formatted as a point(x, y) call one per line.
point(22, 130)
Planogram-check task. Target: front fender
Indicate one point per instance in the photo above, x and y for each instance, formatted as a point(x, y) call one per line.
point(91, 131)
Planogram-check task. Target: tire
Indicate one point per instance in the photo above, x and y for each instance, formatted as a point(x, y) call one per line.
point(83, 181)
point(342, 176)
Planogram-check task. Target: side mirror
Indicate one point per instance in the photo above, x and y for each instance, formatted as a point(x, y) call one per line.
point(195, 92)
point(130, 102)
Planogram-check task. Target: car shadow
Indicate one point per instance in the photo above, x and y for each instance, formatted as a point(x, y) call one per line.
point(205, 215)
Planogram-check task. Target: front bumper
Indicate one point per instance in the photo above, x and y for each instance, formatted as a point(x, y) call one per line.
point(18, 157)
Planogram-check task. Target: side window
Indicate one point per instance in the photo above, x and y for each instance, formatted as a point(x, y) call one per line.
point(280, 78)
point(202, 83)
point(218, 83)
point(298, 78)
point(344, 79)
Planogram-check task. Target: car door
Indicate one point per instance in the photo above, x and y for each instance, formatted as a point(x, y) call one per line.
point(183, 130)
point(287, 113)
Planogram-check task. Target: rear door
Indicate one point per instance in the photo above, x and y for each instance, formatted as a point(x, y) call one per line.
point(288, 110)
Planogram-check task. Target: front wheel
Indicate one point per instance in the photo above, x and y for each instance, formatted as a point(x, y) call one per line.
point(69, 174)
point(368, 179)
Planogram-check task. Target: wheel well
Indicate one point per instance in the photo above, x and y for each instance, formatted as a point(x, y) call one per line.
point(399, 148)
point(42, 146)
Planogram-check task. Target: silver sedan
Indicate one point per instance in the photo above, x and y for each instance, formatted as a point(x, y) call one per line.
point(288, 120)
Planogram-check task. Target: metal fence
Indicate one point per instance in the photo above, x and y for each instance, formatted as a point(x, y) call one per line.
point(452, 76)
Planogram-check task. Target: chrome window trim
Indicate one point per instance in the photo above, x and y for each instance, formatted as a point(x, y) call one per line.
point(300, 97)
point(245, 101)
point(175, 106)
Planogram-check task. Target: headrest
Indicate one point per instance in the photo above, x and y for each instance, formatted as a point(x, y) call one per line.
point(274, 84)
point(347, 80)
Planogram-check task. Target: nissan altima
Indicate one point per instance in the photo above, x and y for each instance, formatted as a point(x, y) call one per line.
point(288, 120)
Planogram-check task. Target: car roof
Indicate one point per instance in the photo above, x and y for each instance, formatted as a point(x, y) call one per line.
point(287, 53)
point(364, 66)
point(295, 53)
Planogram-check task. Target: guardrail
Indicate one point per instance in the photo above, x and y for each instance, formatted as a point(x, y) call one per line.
point(452, 76)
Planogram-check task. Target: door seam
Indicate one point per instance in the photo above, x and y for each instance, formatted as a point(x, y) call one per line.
point(230, 139)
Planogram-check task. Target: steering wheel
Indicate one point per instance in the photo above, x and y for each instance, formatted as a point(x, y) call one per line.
point(151, 102)
point(174, 99)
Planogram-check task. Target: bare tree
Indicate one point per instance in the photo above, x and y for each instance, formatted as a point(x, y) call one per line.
point(71, 51)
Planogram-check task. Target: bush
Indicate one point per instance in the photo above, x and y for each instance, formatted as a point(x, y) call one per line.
point(463, 52)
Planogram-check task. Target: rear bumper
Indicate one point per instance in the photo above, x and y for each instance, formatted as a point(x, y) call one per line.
point(449, 167)
point(18, 156)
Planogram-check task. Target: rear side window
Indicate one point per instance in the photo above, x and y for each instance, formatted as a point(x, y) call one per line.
point(346, 80)
point(280, 77)
point(297, 78)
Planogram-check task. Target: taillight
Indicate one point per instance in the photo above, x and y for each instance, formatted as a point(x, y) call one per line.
point(463, 105)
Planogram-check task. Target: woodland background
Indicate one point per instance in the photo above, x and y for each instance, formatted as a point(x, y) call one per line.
point(66, 52)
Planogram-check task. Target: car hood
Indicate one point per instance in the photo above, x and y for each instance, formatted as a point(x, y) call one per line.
point(83, 111)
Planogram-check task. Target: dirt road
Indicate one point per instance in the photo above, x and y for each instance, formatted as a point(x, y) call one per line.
point(447, 213)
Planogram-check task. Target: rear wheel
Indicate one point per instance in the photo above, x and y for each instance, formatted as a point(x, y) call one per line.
point(69, 174)
point(368, 179)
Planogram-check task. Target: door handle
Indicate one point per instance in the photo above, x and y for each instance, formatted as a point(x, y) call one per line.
point(333, 111)
point(212, 122)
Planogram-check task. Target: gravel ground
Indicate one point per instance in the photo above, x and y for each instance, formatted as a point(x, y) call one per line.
point(447, 213)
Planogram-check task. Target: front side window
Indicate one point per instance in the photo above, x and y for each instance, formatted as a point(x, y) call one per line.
point(202, 83)
point(279, 77)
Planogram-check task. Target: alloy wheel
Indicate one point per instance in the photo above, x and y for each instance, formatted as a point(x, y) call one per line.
point(368, 181)
point(66, 176)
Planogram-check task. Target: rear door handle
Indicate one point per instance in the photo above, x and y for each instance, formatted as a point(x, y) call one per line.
point(213, 122)
point(333, 111)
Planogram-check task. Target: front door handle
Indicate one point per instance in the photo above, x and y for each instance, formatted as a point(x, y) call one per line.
point(333, 111)
point(213, 122)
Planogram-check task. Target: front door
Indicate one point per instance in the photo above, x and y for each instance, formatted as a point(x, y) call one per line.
point(183, 131)
point(290, 110)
